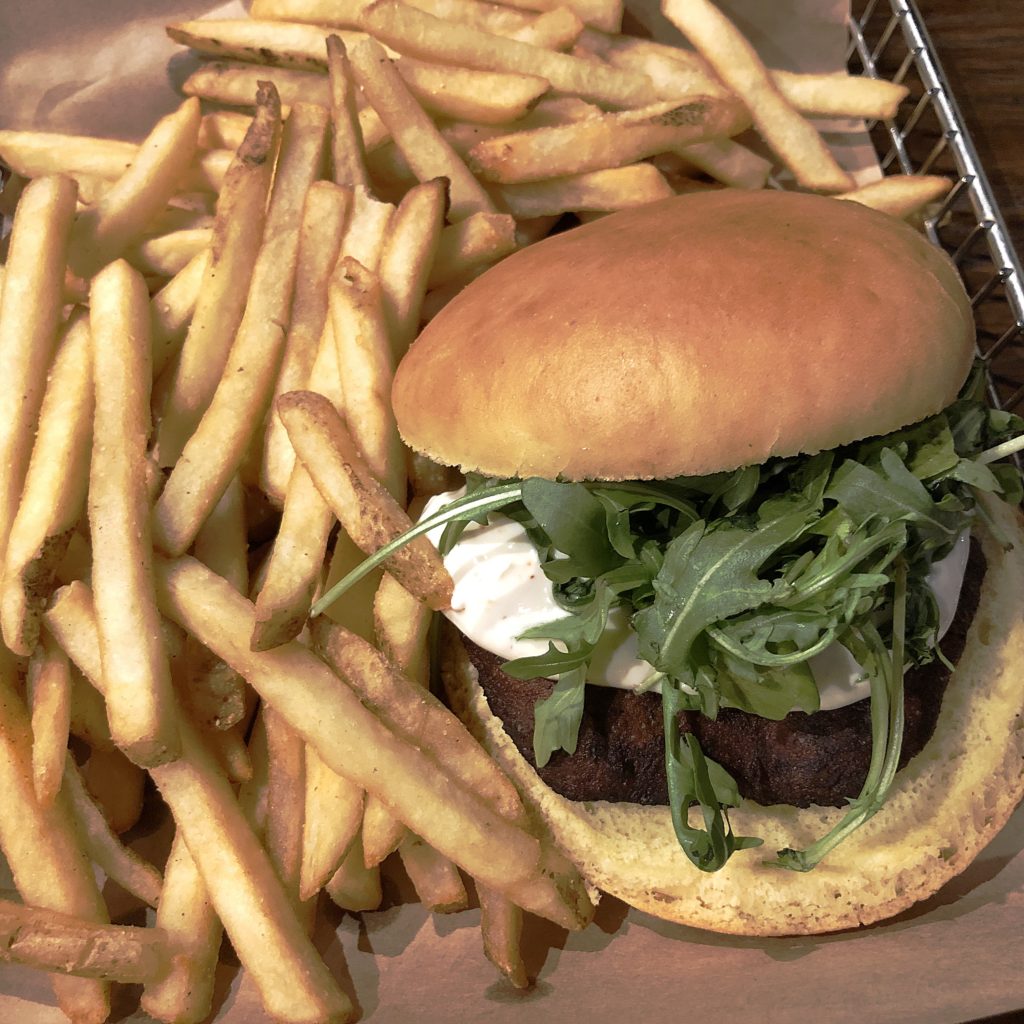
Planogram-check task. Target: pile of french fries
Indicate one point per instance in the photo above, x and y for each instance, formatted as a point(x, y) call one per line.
point(197, 339)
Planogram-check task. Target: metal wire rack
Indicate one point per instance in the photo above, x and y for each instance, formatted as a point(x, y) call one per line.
point(889, 40)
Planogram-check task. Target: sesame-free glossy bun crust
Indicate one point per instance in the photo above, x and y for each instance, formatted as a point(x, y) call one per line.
point(943, 808)
point(695, 334)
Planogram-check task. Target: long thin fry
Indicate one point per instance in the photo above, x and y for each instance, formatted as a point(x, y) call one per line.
point(413, 131)
point(347, 151)
point(436, 879)
point(241, 214)
point(354, 886)
point(140, 698)
point(501, 925)
point(49, 696)
point(52, 941)
point(114, 783)
point(900, 195)
point(215, 451)
point(172, 309)
point(53, 498)
point(30, 310)
point(353, 742)
point(323, 223)
point(168, 254)
point(50, 871)
point(184, 994)
point(482, 238)
point(122, 215)
point(382, 833)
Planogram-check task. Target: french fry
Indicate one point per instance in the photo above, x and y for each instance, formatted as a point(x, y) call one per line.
point(792, 138)
point(323, 224)
point(252, 795)
point(366, 365)
point(729, 162)
point(436, 879)
point(241, 216)
point(172, 308)
point(348, 154)
point(91, 161)
point(501, 927)
point(223, 129)
point(382, 832)
point(367, 228)
point(401, 625)
point(167, 255)
point(354, 609)
point(413, 131)
point(49, 698)
point(353, 742)
point(480, 239)
point(286, 791)
point(370, 516)
point(841, 95)
point(551, 30)
point(137, 682)
point(184, 995)
point(605, 15)
point(235, 84)
point(602, 191)
point(52, 941)
point(354, 886)
point(231, 752)
point(333, 812)
point(613, 140)
point(410, 252)
point(89, 716)
point(117, 861)
point(50, 871)
point(900, 195)
point(30, 312)
point(217, 448)
point(115, 784)
point(243, 888)
point(120, 218)
point(277, 43)
point(417, 34)
point(53, 498)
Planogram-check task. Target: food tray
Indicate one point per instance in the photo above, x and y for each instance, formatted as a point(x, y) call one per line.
point(928, 136)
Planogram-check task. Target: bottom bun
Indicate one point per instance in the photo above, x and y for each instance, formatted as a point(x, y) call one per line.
point(943, 808)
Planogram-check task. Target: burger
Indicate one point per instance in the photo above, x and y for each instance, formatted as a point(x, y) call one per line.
point(738, 573)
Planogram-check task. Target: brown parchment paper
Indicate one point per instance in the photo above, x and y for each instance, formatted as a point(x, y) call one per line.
point(104, 66)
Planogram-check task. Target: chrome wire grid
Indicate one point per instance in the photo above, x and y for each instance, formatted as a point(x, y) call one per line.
point(889, 40)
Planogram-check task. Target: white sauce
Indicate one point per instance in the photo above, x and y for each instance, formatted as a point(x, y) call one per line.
point(501, 591)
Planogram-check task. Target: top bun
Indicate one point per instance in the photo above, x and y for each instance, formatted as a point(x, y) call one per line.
point(700, 333)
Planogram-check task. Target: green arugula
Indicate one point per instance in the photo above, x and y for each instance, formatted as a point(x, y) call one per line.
point(733, 581)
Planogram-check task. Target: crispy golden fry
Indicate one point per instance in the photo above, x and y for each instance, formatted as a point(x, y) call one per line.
point(323, 224)
point(217, 448)
point(367, 229)
point(353, 742)
point(901, 195)
point(368, 513)
point(613, 140)
point(241, 216)
point(533, 229)
point(172, 308)
point(167, 255)
point(30, 312)
point(605, 15)
point(333, 812)
point(42, 849)
point(120, 218)
point(501, 927)
point(401, 625)
point(116, 785)
point(348, 155)
point(117, 861)
point(91, 161)
point(231, 752)
point(410, 252)
point(53, 498)
point(252, 796)
point(278, 43)
point(137, 682)
point(415, 713)
point(52, 941)
point(841, 95)
point(480, 239)
point(286, 791)
point(551, 30)
point(413, 131)
point(418, 34)
point(89, 716)
point(223, 129)
point(366, 365)
point(354, 886)
point(49, 698)
point(599, 191)
point(793, 139)
point(382, 833)
point(235, 84)
point(184, 995)
point(729, 162)
point(436, 879)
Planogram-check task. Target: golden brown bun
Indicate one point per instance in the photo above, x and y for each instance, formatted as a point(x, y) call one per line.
point(699, 333)
point(944, 807)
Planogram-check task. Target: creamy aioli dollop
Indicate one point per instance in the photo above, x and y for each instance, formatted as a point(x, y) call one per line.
point(501, 591)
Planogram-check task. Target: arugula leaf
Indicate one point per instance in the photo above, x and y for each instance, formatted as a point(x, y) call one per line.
point(557, 717)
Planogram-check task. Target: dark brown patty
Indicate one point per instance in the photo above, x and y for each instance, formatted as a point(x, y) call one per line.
point(802, 759)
